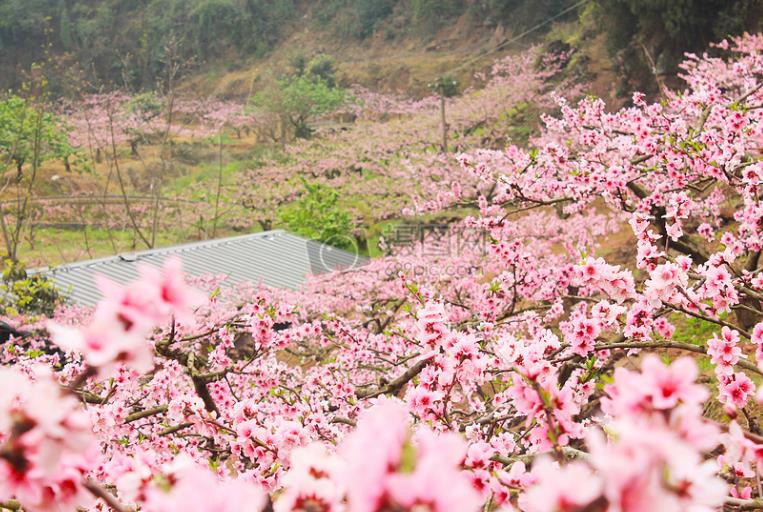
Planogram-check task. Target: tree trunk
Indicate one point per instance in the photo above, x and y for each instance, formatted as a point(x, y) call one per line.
point(283, 131)
point(747, 318)
point(362, 243)
point(9, 243)
point(219, 185)
point(444, 124)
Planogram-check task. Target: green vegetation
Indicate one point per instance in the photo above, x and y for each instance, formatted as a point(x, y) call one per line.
point(648, 36)
point(34, 295)
point(131, 44)
point(318, 216)
point(370, 13)
point(128, 41)
point(299, 98)
point(446, 86)
point(29, 135)
point(693, 330)
point(52, 246)
point(147, 105)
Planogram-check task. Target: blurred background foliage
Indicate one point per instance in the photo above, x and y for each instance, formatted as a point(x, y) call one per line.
point(125, 42)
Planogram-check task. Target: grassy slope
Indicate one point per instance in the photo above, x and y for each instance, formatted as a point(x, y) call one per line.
point(405, 63)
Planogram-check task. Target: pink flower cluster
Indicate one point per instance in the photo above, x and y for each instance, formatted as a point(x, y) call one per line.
point(628, 470)
point(381, 466)
point(125, 317)
point(46, 443)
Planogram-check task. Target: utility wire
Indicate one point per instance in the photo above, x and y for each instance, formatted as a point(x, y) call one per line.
point(519, 36)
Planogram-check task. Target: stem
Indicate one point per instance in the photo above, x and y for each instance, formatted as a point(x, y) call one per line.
point(219, 185)
point(394, 386)
point(99, 492)
point(444, 124)
point(115, 157)
point(10, 505)
point(146, 413)
point(740, 504)
point(171, 430)
point(743, 363)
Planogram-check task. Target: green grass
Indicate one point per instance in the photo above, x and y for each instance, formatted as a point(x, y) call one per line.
point(694, 331)
point(206, 173)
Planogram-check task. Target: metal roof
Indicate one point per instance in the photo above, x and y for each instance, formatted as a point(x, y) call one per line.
point(275, 258)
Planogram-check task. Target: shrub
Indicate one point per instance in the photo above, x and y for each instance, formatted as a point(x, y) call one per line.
point(318, 216)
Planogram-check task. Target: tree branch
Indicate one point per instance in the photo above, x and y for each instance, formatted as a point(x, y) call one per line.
point(393, 387)
point(99, 492)
point(159, 409)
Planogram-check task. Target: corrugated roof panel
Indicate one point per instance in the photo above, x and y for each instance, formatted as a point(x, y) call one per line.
point(275, 258)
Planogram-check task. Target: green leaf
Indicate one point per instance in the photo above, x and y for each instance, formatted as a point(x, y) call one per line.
point(34, 353)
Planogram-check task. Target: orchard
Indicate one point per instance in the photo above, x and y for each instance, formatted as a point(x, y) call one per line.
point(522, 368)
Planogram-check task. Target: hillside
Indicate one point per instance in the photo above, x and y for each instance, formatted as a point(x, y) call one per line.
point(222, 181)
point(223, 46)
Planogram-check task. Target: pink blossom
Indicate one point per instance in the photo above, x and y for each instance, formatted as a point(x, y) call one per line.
point(735, 389)
point(571, 487)
point(432, 323)
point(437, 480)
point(312, 482)
point(125, 316)
point(195, 489)
point(724, 351)
point(47, 443)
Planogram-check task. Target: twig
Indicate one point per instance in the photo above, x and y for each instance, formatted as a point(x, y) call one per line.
point(159, 409)
point(177, 428)
point(395, 386)
point(99, 492)
point(740, 504)
point(743, 363)
point(344, 421)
